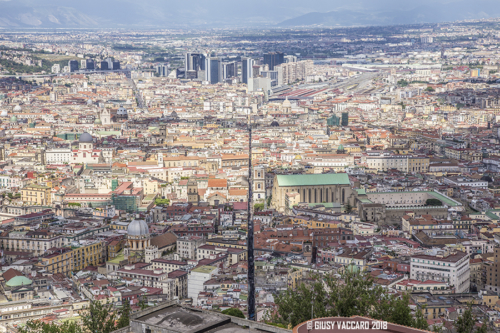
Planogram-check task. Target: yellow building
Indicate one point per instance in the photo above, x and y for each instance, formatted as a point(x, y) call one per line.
point(418, 164)
point(59, 261)
point(151, 187)
point(35, 194)
point(87, 255)
point(294, 277)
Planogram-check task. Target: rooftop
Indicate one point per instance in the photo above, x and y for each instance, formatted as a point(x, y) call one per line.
point(313, 179)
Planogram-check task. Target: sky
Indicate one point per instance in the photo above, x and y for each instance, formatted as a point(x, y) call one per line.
point(235, 13)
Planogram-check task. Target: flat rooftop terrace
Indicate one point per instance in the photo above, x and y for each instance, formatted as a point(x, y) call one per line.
point(173, 318)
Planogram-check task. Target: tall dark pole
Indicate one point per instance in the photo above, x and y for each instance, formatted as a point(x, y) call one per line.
point(251, 266)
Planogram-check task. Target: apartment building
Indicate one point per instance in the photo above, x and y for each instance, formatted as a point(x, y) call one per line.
point(57, 260)
point(168, 265)
point(186, 246)
point(445, 266)
point(493, 272)
point(36, 242)
point(86, 254)
point(405, 163)
point(35, 194)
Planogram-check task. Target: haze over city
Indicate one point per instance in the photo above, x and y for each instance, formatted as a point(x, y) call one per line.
point(268, 166)
point(229, 14)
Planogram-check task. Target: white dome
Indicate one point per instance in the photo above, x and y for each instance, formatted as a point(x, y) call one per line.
point(17, 108)
point(121, 111)
point(138, 228)
point(86, 138)
point(89, 102)
point(4, 113)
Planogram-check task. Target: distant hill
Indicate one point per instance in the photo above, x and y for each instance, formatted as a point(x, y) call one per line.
point(230, 13)
point(440, 12)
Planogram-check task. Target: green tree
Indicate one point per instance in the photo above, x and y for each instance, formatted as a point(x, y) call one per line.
point(124, 320)
point(258, 207)
point(353, 294)
point(99, 317)
point(430, 89)
point(433, 202)
point(348, 208)
point(142, 303)
point(234, 312)
point(41, 327)
point(162, 202)
point(467, 321)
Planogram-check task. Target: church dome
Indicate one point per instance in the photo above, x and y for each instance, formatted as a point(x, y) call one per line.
point(298, 157)
point(86, 138)
point(17, 108)
point(98, 121)
point(19, 281)
point(32, 125)
point(4, 113)
point(13, 119)
point(121, 111)
point(286, 103)
point(138, 228)
point(275, 124)
point(89, 102)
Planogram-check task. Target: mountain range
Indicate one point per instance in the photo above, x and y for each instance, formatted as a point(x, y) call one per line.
point(235, 13)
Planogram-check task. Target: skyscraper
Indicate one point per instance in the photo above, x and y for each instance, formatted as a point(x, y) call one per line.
point(162, 70)
point(246, 69)
point(90, 64)
point(229, 70)
point(116, 65)
point(104, 65)
point(273, 58)
point(213, 70)
point(73, 65)
point(195, 62)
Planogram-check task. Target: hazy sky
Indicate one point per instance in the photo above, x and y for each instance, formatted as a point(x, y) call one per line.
point(196, 13)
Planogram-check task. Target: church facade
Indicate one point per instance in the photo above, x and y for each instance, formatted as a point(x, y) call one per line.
point(86, 152)
point(312, 188)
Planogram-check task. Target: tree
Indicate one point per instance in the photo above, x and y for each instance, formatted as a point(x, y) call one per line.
point(41, 327)
point(433, 202)
point(99, 317)
point(124, 320)
point(353, 294)
point(162, 202)
point(467, 322)
point(348, 208)
point(142, 303)
point(234, 312)
point(258, 207)
point(430, 89)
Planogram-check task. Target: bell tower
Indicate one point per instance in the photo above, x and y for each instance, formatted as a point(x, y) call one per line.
point(192, 188)
point(259, 183)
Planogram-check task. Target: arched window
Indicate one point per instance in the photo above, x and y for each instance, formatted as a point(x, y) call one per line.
point(343, 195)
